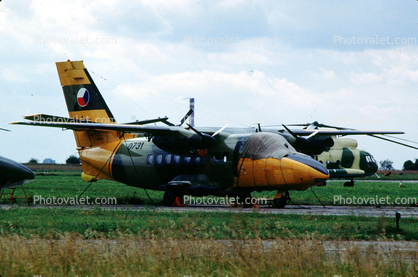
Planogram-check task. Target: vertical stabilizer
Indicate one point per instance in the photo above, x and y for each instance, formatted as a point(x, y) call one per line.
point(84, 101)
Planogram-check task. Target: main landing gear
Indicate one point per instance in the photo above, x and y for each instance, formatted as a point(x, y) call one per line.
point(281, 199)
point(349, 183)
point(173, 198)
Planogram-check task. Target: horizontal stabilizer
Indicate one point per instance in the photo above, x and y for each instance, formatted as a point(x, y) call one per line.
point(126, 128)
point(53, 118)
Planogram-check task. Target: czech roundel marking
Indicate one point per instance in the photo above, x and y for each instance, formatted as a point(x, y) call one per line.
point(83, 97)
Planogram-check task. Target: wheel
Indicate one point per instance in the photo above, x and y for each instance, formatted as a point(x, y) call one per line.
point(169, 198)
point(245, 199)
point(349, 184)
point(281, 202)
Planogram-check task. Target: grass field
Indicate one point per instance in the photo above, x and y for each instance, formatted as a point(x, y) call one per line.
point(71, 255)
point(95, 242)
point(69, 184)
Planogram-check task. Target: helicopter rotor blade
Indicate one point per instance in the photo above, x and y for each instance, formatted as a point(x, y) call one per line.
point(411, 141)
point(400, 143)
point(316, 124)
point(312, 135)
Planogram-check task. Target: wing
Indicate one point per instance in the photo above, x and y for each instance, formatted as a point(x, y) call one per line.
point(303, 132)
point(174, 139)
point(77, 125)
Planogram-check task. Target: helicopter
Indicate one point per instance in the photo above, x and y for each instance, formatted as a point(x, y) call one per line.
point(340, 155)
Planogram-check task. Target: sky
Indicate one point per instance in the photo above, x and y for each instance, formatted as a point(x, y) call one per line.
point(344, 63)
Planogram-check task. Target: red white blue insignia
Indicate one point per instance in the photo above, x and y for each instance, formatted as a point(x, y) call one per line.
point(83, 97)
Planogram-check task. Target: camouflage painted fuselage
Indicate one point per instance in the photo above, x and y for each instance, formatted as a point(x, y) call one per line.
point(139, 162)
point(344, 160)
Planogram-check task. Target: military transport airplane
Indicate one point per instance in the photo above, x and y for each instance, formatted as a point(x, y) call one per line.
point(13, 173)
point(178, 160)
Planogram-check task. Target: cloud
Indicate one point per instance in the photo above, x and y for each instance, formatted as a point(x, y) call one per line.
point(137, 53)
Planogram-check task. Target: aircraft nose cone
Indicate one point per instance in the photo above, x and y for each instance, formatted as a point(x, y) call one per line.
point(304, 170)
point(13, 173)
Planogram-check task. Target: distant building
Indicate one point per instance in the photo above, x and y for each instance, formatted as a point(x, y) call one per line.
point(49, 161)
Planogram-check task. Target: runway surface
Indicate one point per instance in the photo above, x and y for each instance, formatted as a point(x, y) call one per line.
point(368, 211)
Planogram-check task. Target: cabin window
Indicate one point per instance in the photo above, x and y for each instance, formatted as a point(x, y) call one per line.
point(168, 159)
point(177, 159)
point(150, 159)
point(187, 160)
point(159, 159)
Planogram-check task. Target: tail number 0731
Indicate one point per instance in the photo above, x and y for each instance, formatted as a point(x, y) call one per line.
point(135, 145)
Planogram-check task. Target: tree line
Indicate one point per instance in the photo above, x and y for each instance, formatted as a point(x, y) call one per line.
point(409, 165)
point(70, 160)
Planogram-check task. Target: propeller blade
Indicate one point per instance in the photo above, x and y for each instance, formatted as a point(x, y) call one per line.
point(195, 130)
point(206, 141)
point(219, 131)
point(5, 130)
point(290, 132)
point(186, 117)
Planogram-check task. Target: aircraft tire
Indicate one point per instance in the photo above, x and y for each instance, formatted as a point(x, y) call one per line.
point(349, 184)
point(169, 198)
point(281, 202)
point(245, 199)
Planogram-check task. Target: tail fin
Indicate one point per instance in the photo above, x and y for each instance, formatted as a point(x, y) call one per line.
point(84, 101)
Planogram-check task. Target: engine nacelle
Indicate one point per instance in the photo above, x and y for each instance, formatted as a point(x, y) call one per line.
point(313, 146)
point(345, 142)
point(183, 145)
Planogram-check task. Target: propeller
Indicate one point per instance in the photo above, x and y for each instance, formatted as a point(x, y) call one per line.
point(308, 146)
point(185, 117)
point(205, 139)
